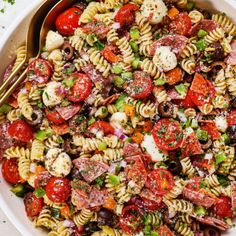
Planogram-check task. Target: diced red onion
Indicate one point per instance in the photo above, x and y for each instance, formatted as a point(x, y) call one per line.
point(116, 25)
point(181, 116)
point(62, 91)
point(68, 223)
point(119, 132)
point(112, 168)
point(33, 168)
point(123, 163)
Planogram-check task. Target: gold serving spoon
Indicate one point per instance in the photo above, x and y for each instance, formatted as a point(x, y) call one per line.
point(41, 23)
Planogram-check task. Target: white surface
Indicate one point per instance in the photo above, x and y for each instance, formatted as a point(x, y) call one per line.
point(11, 12)
point(13, 206)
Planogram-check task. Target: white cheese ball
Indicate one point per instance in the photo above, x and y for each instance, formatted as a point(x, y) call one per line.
point(58, 163)
point(53, 41)
point(50, 96)
point(221, 123)
point(154, 10)
point(55, 55)
point(164, 58)
point(151, 148)
point(118, 120)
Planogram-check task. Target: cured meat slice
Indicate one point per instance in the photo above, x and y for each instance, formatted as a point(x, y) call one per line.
point(209, 220)
point(233, 197)
point(175, 42)
point(89, 169)
point(231, 59)
point(205, 24)
point(199, 198)
point(130, 150)
point(67, 112)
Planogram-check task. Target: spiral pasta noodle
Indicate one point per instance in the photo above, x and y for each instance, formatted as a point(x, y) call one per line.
point(24, 105)
point(14, 114)
point(108, 155)
point(182, 3)
point(126, 50)
point(52, 142)
point(195, 16)
point(189, 50)
point(188, 65)
point(225, 22)
point(214, 35)
point(46, 220)
point(37, 150)
point(177, 205)
point(187, 166)
point(20, 56)
point(176, 190)
point(83, 217)
point(17, 152)
point(183, 229)
point(99, 62)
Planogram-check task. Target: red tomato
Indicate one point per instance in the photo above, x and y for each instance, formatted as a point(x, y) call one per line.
point(54, 117)
point(81, 89)
point(211, 129)
point(160, 181)
point(10, 171)
point(126, 14)
point(164, 231)
point(201, 91)
point(191, 145)
point(101, 126)
point(146, 204)
point(109, 55)
point(181, 24)
point(187, 102)
point(68, 21)
point(131, 219)
point(58, 189)
point(21, 131)
point(167, 134)
point(39, 71)
point(224, 207)
point(194, 183)
point(33, 205)
point(231, 118)
point(141, 86)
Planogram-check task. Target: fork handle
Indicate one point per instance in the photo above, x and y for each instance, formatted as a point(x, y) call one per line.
point(4, 85)
point(10, 90)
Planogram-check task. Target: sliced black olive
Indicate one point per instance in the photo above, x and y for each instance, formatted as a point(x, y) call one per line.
point(174, 166)
point(231, 131)
point(166, 109)
point(207, 144)
point(167, 219)
point(68, 51)
point(105, 217)
point(37, 118)
point(211, 232)
point(155, 119)
point(216, 51)
point(90, 228)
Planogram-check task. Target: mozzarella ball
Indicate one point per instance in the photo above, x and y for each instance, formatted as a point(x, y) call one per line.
point(154, 10)
point(50, 96)
point(118, 120)
point(221, 123)
point(53, 41)
point(164, 58)
point(58, 163)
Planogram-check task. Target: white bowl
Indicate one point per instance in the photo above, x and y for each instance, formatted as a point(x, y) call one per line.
point(15, 36)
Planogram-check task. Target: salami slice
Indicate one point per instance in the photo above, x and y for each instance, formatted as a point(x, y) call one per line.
point(79, 200)
point(148, 194)
point(67, 112)
point(205, 24)
point(90, 170)
point(165, 231)
point(176, 42)
point(97, 198)
point(199, 198)
point(130, 150)
point(231, 59)
point(174, 95)
point(209, 220)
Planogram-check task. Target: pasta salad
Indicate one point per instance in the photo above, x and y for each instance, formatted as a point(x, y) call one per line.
point(126, 123)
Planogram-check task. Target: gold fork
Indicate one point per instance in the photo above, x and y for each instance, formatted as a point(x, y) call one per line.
point(41, 23)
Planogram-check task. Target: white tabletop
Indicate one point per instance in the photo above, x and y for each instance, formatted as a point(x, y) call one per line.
point(6, 18)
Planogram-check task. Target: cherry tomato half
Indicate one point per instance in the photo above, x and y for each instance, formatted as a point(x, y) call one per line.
point(33, 205)
point(231, 118)
point(10, 171)
point(160, 181)
point(201, 91)
point(187, 102)
point(131, 219)
point(103, 126)
point(68, 21)
point(126, 14)
point(39, 71)
point(164, 231)
point(81, 89)
point(181, 24)
point(224, 207)
point(58, 189)
point(167, 134)
point(54, 117)
point(21, 131)
point(141, 86)
point(211, 129)
point(194, 183)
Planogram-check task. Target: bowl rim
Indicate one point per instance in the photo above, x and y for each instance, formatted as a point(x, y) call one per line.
point(7, 209)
